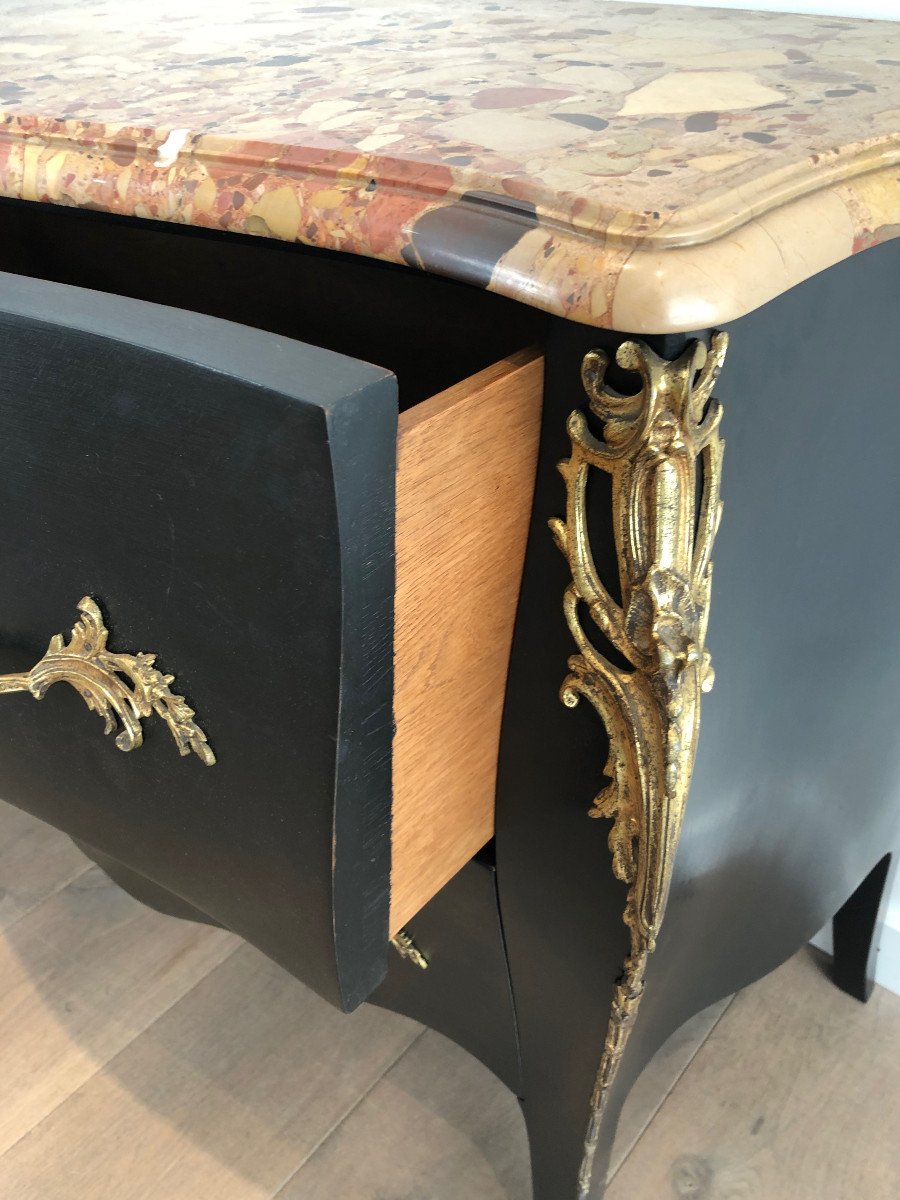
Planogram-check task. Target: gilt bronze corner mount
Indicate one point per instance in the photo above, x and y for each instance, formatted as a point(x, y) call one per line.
point(96, 674)
point(657, 445)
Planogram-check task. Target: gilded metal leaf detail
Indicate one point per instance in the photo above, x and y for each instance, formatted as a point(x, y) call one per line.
point(655, 444)
point(96, 674)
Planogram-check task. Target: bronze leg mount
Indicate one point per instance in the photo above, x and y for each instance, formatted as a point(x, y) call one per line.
point(654, 444)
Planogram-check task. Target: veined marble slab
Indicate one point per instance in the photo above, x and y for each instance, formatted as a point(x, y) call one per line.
point(642, 167)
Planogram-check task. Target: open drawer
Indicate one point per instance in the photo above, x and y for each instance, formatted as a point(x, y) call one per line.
point(248, 508)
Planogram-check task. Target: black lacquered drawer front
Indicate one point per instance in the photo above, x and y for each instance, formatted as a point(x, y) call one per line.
point(226, 497)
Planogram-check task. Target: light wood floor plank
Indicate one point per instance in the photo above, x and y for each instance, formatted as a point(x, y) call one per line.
point(142, 1056)
point(80, 976)
point(659, 1077)
point(438, 1126)
point(35, 862)
point(794, 1096)
point(221, 1099)
point(470, 1136)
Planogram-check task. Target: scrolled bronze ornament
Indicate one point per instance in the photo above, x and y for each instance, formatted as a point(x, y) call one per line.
point(406, 947)
point(96, 674)
point(654, 445)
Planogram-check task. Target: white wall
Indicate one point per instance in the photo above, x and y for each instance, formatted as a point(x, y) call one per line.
point(888, 971)
point(886, 9)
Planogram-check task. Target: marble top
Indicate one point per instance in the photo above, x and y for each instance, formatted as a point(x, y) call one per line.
point(628, 165)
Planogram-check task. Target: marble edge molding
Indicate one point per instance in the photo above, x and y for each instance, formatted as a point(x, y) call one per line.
point(707, 264)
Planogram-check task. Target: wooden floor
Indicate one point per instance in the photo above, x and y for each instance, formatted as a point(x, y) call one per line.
point(142, 1058)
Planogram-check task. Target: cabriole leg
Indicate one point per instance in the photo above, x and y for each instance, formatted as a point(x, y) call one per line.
point(640, 661)
point(857, 929)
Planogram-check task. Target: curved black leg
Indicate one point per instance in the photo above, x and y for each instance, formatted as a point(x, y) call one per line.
point(857, 931)
point(582, 899)
point(561, 1062)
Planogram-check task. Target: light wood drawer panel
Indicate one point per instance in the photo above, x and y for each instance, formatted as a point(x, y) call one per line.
point(466, 460)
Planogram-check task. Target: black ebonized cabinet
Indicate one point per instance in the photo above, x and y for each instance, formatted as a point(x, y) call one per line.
point(228, 493)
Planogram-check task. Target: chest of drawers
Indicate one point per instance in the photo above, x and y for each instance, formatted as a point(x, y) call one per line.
point(440, 630)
